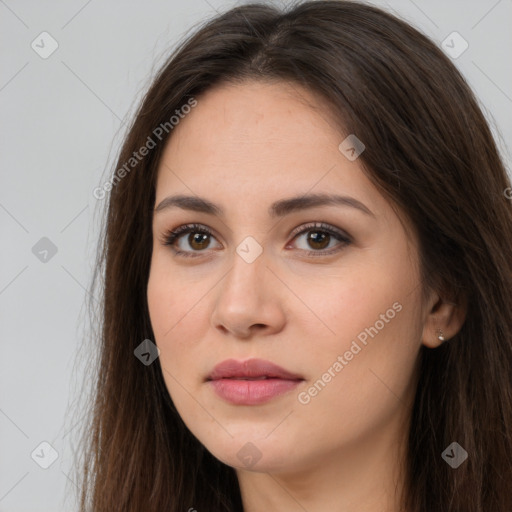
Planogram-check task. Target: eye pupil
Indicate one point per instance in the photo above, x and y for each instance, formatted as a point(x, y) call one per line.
point(318, 237)
point(198, 238)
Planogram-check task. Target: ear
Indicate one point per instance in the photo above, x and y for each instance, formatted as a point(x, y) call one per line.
point(443, 318)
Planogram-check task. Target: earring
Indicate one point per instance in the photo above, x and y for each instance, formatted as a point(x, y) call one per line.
point(440, 335)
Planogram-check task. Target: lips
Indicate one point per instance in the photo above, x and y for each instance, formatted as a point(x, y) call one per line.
point(251, 382)
point(251, 369)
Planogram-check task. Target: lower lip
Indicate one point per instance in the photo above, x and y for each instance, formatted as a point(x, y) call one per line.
point(252, 392)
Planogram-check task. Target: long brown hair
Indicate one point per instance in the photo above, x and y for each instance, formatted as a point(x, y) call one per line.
point(428, 148)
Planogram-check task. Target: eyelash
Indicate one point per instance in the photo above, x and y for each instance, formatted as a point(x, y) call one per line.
point(171, 236)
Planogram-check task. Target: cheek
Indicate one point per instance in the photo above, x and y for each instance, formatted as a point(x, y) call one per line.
point(165, 311)
point(371, 342)
point(355, 306)
point(177, 317)
point(173, 299)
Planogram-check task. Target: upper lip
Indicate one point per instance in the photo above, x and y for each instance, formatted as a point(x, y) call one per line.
point(250, 368)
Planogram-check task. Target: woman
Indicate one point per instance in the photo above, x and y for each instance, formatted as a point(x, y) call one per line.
point(308, 278)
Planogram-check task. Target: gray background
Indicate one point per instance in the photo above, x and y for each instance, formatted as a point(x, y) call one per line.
point(62, 121)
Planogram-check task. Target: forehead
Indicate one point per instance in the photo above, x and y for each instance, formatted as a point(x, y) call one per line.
point(258, 140)
point(255, 104)
point(232, 122)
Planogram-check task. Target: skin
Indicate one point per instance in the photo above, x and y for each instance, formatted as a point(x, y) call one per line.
point(243, 147)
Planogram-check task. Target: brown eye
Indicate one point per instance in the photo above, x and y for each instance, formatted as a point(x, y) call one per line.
point(317, 239)
point(318, 236)
point(198, 241)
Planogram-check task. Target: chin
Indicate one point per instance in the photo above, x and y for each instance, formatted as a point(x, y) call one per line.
point(254, 453)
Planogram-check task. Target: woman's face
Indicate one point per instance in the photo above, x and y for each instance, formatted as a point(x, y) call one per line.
point(337, 306)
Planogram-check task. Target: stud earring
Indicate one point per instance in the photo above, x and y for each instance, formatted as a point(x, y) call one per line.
point(440, 335)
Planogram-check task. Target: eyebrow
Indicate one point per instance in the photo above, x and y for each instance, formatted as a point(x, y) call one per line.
point(278, 209)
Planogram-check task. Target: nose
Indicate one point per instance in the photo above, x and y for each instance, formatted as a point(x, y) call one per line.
point(249, 299)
